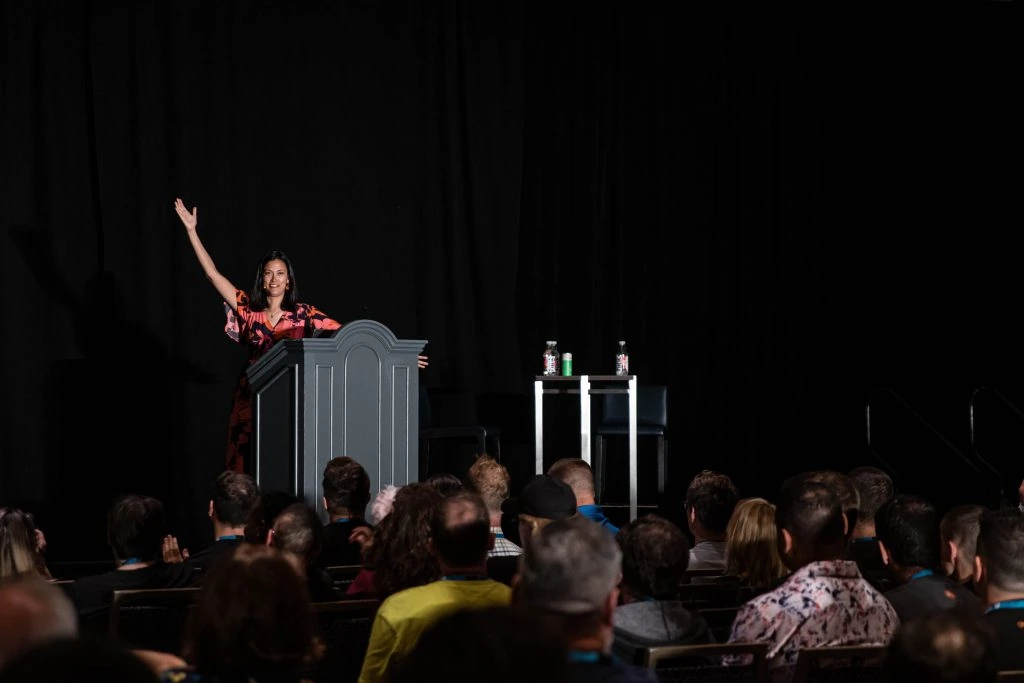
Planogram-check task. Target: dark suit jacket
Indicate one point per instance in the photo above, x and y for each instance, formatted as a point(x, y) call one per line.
point(207, 558)
point(931, 594)
point(1008, 626)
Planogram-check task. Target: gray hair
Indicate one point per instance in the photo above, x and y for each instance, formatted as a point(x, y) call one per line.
point(41, 611)
point(570, 567)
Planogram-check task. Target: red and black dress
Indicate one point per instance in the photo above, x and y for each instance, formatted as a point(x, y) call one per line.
point(252, 329)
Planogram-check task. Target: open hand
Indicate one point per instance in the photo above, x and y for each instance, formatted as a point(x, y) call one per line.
point(171, 553)
point(363, 536)
point(189, 219)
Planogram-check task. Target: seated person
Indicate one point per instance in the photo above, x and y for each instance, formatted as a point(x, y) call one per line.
point(959, 533)
point(874, 487)
point(346, 488)
point(710, 499)
point(577, 473)
point(947, 647)
point(655, 553)
point(135, 531)
point(999, 577)
point(908, 535)
point(235, 496)
point(297, 533)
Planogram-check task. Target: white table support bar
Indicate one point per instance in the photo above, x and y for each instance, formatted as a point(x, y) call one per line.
point(584, 385)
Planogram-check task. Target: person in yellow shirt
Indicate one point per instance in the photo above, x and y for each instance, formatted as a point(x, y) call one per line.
point(460, 538)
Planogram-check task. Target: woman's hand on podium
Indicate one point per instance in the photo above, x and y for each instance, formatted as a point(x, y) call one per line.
point(422, 361)
point(171, 553)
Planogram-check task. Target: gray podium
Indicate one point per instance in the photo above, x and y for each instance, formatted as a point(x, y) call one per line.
point(354, 393)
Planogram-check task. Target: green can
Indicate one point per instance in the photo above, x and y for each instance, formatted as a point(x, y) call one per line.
point(566, 365)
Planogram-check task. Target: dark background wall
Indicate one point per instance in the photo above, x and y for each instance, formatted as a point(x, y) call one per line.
point(782, 208)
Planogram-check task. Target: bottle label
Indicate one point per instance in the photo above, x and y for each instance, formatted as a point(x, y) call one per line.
point(622, 364)
point(550, 364)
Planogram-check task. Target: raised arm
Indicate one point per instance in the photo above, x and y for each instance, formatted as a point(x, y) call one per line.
point(221, 283)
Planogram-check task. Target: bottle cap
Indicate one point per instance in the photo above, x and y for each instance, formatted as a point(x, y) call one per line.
point(566, 356)
point(552, 342)
point(622, 342)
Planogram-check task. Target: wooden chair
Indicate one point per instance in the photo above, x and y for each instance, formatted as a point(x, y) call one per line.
point(703, 663)
point(344, 628)
point(840, 664)
point(151, 618)
point(343, 574)
point(719, 620)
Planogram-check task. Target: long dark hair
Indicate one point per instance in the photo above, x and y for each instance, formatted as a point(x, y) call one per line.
point(258, 296)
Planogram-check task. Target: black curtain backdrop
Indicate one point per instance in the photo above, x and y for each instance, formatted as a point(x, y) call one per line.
point(781, 208)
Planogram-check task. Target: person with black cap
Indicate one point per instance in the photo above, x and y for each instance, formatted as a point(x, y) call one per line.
point(543, 500)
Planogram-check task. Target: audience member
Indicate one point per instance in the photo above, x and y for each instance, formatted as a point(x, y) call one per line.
point(298, 534)
point(263, 514)
point(655, 553)
point(252, 620)
point(492, 644)
point(491, 481)
point(571, 570)
point(710, 499)
point(947, 647)
point(34, 611)
point(752, 546)
point(874, 487)
point(135, 532)
point(446, 483)
point(74, 661)
point(460, 537)
point(577, 473)
point(959, 533)
point(346, 487)
point(843, 486)
point(908, 534)
point(382, 503)
point(825, 601)
point(235, 495)
point(399, 554)
point(999, 577)
point(543, 500)
point(21, 544)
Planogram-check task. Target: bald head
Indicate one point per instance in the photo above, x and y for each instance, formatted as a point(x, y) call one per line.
point(35, 611)
point(577, 473)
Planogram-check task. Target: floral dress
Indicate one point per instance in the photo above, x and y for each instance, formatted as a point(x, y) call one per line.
point(253, 329)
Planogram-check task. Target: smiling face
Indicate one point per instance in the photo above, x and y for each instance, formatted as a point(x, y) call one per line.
point(275, 277)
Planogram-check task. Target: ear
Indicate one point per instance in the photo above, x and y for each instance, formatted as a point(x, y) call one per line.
point(787, 542)
point(210, 511)
point(324, 501)
point(954, 552)
point(608, 609)
point(885, 554)
point(979, 570)
point(846, 525)
point(691, 515)
point(270, 538)
point(490, 542)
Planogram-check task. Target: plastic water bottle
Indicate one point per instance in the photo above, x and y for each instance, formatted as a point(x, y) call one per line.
point(622, 360)
point(551, 359)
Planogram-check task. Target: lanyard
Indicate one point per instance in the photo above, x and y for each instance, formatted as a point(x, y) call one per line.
point(130, 560)
point(921, 574)
point(585, 657)
point(1005, 604)
point(232, 537)
point(340, 520)
point(863, 539)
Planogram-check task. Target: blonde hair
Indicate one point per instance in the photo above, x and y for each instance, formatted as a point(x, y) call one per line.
point(18, 553)
point(752, 545)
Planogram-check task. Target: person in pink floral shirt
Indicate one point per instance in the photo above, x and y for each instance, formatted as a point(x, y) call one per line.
point(825, 601)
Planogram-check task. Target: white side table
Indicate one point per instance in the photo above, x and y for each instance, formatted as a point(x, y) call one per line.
point(587, 386)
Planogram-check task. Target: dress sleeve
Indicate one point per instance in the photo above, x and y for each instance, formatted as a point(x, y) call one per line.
point(318, 320)
point(236, 321)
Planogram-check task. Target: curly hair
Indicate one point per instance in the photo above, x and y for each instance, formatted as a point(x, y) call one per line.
point(252, 616)
point(655, 554)
point(400, 553)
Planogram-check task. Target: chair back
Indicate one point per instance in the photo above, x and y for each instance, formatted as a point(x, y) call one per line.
point(151, 618)
point(344, 628)
point(651, 407)
point(342, 575)
point(709, 594)
point(840, 664)
point(1010, 676)
point(744, 662)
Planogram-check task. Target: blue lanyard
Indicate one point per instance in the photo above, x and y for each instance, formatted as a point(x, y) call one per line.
point(340, 520)
point(921, 574)
point(465, 577)
point(499, 535)
point(131, 560)
point(585, 657)
point(1005, 604)
point(863, 539)
point(232, 537)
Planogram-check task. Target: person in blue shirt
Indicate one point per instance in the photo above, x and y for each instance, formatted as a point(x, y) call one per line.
point(577, 473)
